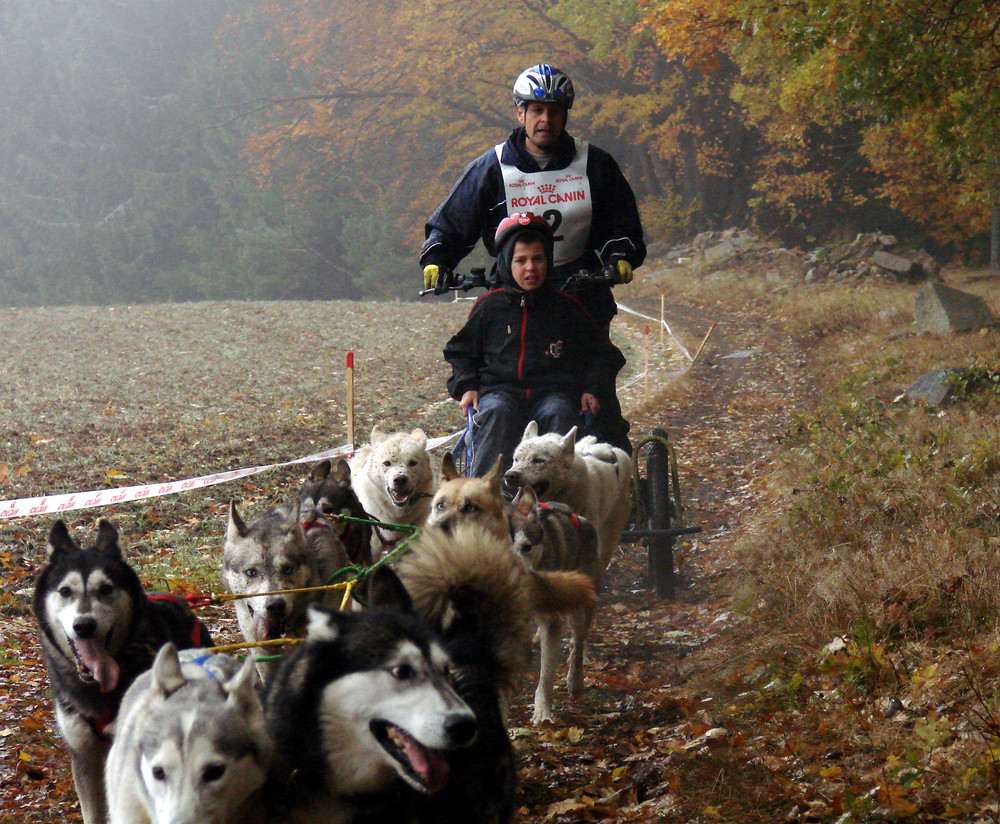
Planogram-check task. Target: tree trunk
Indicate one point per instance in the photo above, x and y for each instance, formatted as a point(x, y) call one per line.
point(995, 235)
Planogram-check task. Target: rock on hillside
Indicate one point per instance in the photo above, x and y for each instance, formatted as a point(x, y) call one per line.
point(871, 255)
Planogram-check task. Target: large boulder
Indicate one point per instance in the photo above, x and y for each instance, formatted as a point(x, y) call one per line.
point(942, 310)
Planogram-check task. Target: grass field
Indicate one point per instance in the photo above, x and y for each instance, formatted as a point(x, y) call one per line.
point(837, 619)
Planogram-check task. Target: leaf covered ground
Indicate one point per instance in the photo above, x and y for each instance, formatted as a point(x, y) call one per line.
point(694, 710)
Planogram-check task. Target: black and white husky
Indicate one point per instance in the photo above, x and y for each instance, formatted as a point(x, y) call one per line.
point(363, 714)
point(395, 715)
point(99, 632)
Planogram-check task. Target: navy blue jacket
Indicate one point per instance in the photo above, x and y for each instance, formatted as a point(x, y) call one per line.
point(530, 344)
point(476, 205)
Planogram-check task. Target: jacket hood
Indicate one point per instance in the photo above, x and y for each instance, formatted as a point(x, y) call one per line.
point(506, 251)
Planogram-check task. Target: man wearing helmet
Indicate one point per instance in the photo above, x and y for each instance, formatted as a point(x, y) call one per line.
point(527, 351)
point(578, 188)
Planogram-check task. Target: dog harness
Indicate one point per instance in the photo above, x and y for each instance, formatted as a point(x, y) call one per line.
point(166, 596)
point(572, 515)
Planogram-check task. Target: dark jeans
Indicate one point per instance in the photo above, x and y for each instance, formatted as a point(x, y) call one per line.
point(502, 417)
point(608, 425)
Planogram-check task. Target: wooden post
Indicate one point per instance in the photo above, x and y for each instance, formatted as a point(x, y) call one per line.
point(647, 364)
point(662, 319)
point(350, 399)
point(709, 332)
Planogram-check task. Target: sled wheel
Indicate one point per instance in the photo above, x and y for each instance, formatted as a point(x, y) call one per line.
point(659, 509)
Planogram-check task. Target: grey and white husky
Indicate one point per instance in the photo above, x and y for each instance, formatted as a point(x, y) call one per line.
point(593, 478)
point(550, 536)
point(363, 714)
point(191, 744)
point(99, 632)
point(268, 559)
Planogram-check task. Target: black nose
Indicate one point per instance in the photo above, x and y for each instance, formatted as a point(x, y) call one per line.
point(461, 728)
point(275, 607)
point(85, 626)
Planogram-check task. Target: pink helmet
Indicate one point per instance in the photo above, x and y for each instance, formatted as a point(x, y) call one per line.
point(518, 222)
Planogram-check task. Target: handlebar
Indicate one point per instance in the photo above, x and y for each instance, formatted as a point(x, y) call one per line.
point(476, 279)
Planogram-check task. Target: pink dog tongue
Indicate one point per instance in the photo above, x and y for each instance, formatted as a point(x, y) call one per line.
point(101, 665)
point(429, 765)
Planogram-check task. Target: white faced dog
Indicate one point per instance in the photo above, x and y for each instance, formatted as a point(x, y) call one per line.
point(394, 481)
point(192, 745)
point(594, 479)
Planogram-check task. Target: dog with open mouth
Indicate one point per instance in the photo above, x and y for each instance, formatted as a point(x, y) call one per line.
point(394, 481)
point(99, 631)
point(270, 560)
point(365, 718)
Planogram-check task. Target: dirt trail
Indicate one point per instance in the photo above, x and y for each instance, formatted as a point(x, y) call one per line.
point(654, 661)
point(651, 681)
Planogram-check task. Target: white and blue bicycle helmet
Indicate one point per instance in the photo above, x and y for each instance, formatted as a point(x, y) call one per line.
point(543, 83)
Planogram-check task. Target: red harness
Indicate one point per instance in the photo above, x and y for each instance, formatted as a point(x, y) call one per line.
point(166, 596)
point(572, 515)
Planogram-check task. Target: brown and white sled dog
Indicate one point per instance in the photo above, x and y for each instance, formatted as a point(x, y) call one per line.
point(594, 479)
point(99, 632)
point(544, 541)
point(462, 500)
point(393, 480)
point(550, 536)
point(191, 744)
point(273, 553)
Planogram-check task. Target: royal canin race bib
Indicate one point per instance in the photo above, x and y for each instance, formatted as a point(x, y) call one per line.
point(561, 196)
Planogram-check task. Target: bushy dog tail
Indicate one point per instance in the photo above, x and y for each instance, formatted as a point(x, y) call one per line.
point(469, 582)
point(561, 591)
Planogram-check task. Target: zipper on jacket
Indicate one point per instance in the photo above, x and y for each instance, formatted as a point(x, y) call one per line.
point(524, 330)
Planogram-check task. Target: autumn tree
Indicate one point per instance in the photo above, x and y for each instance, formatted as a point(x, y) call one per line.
point(901, 97)
point(386, 102)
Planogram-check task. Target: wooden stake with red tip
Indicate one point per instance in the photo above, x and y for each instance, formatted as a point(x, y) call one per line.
point(350, 400)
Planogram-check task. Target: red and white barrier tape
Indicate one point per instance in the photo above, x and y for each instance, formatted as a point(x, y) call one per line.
point(665, 325)
point(47, 505)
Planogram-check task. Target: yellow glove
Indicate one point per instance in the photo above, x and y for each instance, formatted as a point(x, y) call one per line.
point(624, 271)
point(430, 276)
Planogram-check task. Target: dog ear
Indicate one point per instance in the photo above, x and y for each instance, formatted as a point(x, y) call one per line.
point(420, 437)
point(387, 591)
point(448, 470)
point(525, 500)
point(569, 441)
point(293, 520)
point(320, 471)
point(60, 540)
point(342, 472)
point(236, 529)
point(107, 538)
point(530, 431)
point(167, 675)
point(495, 475)
point(377, 435)
point(322, 623)
point(241, 689)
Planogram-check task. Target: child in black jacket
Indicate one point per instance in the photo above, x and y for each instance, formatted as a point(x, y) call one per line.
point(527, 351)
